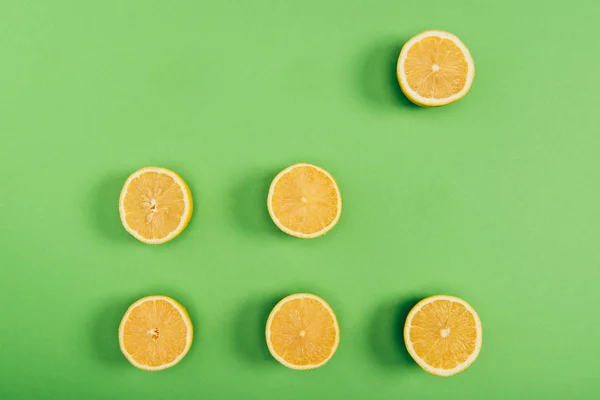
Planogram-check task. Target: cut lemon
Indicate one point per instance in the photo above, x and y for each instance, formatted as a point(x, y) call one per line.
point(155, 205)
point(435, 68)
point(304, 201)
point(443, 335)
point(155, 333)
point(302, 332)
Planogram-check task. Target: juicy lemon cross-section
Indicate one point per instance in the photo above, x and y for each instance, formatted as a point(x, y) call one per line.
point(443, 335)
point(155, 205)
point(155, 333)
point(302, 332)
point(435, 68)
point(304, 201)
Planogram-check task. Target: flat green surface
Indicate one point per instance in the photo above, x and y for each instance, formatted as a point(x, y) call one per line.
point(494, 199)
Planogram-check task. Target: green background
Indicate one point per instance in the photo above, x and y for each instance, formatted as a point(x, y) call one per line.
point(494, 199)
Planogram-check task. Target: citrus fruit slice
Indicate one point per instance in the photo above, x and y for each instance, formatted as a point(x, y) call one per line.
point(443, 335)
point(304, 201)
point(302, 332)
point(155, 333)
point(435, 68)
point(155, 205)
